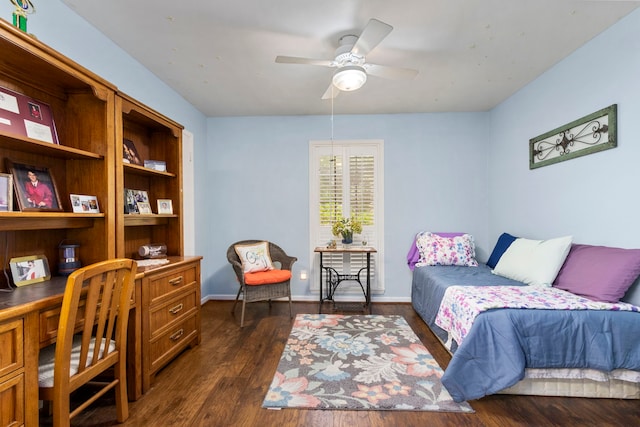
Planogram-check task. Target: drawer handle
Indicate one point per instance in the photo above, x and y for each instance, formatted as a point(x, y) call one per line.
point(177, 335)
point(177, 309)
point(176, 281)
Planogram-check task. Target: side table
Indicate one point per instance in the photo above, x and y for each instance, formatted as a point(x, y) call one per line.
point(333, 278)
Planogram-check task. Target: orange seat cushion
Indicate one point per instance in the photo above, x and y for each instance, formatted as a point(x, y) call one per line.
point(267, 277)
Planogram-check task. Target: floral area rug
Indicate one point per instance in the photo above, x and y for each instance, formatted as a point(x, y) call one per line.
point(358, 363)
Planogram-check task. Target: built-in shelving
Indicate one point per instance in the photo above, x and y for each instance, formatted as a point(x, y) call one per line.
point(91, 119)
point(82, 105)
point(155, 137)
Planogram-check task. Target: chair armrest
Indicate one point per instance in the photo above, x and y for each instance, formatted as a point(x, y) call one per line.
point(237, 269)
point(287, 262)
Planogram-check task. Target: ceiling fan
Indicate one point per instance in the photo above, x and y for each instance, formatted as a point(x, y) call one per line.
point(350, 62)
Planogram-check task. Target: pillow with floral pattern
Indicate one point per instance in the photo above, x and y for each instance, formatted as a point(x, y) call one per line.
point(439, 250)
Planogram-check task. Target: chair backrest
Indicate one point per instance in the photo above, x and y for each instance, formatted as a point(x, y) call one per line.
point(103, 320)
point(277, 254)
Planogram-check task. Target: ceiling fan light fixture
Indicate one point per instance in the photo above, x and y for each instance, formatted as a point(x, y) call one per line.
point(349, 78)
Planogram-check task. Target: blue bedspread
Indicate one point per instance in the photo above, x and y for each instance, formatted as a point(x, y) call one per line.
point(503, 342)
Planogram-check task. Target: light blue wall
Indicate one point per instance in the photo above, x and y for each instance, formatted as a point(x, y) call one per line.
point(443, 172)
point(595, 198)
point(435, 176)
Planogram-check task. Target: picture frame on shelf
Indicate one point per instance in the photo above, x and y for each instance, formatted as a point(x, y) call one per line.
point(35, 187)
point(165, 206)
point(157, 165)
point(130, 153)
point(6, 192)
point(81, 203)
point(29, 269)
point(144, 208)
point(27, 117)
point(132, 198)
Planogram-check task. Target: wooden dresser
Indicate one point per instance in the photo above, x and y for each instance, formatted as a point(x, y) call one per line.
point(170, 313)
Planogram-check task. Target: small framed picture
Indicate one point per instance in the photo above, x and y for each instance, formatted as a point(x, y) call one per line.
point(6, 192)
point(35, 188)
point(29, 269)
point(144, 208)
point(165, 206)
point(157, 165)
point(81, 203)
point(132, 198)
point(129, 153)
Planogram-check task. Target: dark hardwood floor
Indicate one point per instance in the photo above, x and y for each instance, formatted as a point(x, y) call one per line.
point(223, 381)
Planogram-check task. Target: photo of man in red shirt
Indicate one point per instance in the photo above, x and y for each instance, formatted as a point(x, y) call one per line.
point(39, 194)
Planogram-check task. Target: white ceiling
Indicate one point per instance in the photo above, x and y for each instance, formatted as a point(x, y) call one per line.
point(471, 54)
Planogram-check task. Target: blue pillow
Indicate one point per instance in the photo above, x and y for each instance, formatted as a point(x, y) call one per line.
point(504, 241)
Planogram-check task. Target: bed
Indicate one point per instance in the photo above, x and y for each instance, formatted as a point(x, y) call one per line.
point(528, 350)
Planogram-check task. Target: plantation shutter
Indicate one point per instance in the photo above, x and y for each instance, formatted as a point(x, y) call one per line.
point(345, 182)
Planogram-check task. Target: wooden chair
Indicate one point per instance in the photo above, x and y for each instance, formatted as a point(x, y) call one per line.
point(267, 290)
point(105, 291)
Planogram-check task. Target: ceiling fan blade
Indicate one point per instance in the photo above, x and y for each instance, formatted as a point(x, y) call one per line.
point(307, 61)
point(393, 73)
point(371, 36)
point(331, 92)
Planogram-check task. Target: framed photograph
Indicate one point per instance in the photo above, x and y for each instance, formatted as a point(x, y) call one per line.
point(157, 165)
point(29, 269)
point(81, 203)
point(165, 206)
point(35, 188)
point(132, 198)
point(144, 208)
point(27, 117)
point(129, 153)
point(6, 192)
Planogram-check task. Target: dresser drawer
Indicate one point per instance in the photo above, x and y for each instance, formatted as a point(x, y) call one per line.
point(171, 342)
point(165, 315)
point(171, 282)
point(11, 347)
point(13, 401)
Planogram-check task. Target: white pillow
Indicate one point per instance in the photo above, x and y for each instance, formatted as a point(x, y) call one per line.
point(254, 257)
point(534, 262)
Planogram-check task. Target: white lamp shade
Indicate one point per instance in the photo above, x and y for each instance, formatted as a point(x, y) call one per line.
point(349, 78)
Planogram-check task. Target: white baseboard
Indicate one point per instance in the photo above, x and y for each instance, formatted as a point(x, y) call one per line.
point(307, 298)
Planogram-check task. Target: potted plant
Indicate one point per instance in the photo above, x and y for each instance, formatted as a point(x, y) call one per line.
point(346, 227)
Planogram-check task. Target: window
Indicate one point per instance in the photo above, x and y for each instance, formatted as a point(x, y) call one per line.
point(346, 179)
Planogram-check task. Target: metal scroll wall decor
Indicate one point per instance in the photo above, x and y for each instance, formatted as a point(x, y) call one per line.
point(590, 134)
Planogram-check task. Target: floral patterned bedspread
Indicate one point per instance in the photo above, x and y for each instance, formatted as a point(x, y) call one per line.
point(462, 304)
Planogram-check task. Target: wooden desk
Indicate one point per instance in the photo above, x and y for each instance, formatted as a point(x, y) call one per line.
point(29, 318)
point(333, 278)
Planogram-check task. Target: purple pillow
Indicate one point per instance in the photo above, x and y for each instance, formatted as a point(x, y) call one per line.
point(599, 273)
point(414, 254)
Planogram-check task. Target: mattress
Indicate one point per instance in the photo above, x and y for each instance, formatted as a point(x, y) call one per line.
point(582, 387)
